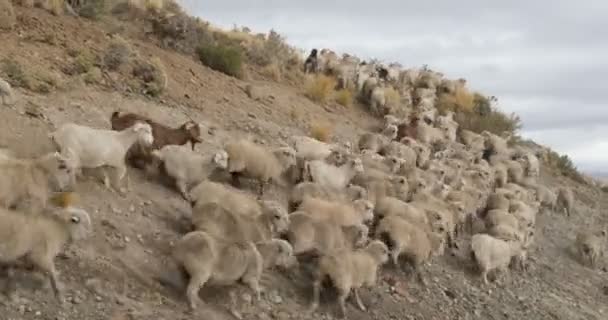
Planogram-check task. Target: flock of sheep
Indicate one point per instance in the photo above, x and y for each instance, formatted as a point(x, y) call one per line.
point(403, 194)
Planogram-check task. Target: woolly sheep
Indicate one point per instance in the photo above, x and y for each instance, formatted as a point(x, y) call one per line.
point(312, 149)
point(232, 199)
point(6, 93)
point(248, 159)
point(495, 144)
point(378, 101)
point(546, 197)
point(216, 220)
point(306, 233)
point(374, 141)
point(394, 186)
point(315, 190)
point(92, 148)
point(526, 213)
point(515, 171)
point(208, 260)
point(590, 246)
point(343, 214)
point(331, 176)
point(389, 206)
point(33, 179)
point(497, 217)
point(532, 165)
point(427, 134)
point(565, 200)
point(40, 238)
point(490, 253)
point(408, 239)
point(188, 168)
point(350, 270)
point(498, 200)
point(400, 151)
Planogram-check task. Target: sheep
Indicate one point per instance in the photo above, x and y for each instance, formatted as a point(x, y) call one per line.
point(209, 260)
point(406, 238)
point(589, 246)
point(497, 217)
point(378, 101)
point(498, 200)
point(139, 154)
point(232, 199)
point(501, 175)
point(532, 165)
point(565, 200)
point(312, 189)
point(391, 206)
point(248, 159)
point(490, 253)
point(515, 171)
point(349, 270)
point(343, 214)
point(494, 144)
point(526, 213)
point(219, 222)
point(427, 134)
point(188, 168)
point(546, 197)
point(33, 179)
point(401, 151)
point(331, 176)
point(373, 142)
point(40, 238)
point(6, 93)
point(92, 148)
point(394, 186)
point(307, 234)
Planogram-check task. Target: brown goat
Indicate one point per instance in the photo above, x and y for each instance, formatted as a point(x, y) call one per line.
point(407, 130)
point(139, 155)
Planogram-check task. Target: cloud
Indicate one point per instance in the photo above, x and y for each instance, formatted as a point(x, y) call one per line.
point(544, 60)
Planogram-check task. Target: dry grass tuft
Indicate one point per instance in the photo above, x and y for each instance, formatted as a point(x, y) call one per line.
point(152, 74)
point(118, 53)
point(15, 74)
point(344, 97)
point(321, 132)
point(392, 98)
point(461, 100)
point(272, 71)
point(320, 87)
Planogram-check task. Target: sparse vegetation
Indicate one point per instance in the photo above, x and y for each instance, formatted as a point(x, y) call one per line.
point(152, 74)
point(321, 132)
point(228, 60)
point(392, 97)
point(93, 76)
point(118, 53)
point(92, 9)
point(15, 74)
point(462, 100)
point(344, 97)
point(320, 87)
point(483, 116)
point(7, 15)
point(564, 165)
point(272, 71)
point(84, 61)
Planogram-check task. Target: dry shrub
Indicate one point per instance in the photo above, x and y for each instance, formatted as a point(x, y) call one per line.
point(7, 15)
point(92, 9)
point(54, 6)
point(564, 166)
point(484, 116)
point(320, 87)
point(93, 76)
point(119, 52)
point(344, 97)
point(44, 82)
point(84, 61)
point(392, 97)
point(460, 100)
point(152, 74)
point(226, 59)
point(271, 71)
point(15, 74)
point(321, 132)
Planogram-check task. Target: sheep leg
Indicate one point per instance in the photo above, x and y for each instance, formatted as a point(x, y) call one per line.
point(195, 284)
point(181, 186)
point(342, 301)
point(358, 299)
point(10, 287)
point(316, 292)
point(261, 189)
point(106, 179)
point(47, 267)
point(235, 179)
point(119, 173)
point(233, 304)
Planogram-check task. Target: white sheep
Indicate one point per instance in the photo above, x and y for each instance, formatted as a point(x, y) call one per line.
point(590, 246)
point(231, 198)
point(546, 197)
point(40, 238)
point(411, 240)
point(307, 234)
point(490, 253)
point(308, 148)
point(92, 148)
point(349, 270)
point(377, 100)
point(331, 176)
point(188, 168)
point(389, 206)
point(565, 200)
point(33, 179)
point(208, 260)
point(343, 214)
point(248, 159)
point(6, 93)
point(315, 190)
point(219, 222)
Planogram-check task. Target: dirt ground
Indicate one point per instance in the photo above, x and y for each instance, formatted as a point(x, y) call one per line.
point(113, 274)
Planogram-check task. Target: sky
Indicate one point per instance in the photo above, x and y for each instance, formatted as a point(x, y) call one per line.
point(545, 60)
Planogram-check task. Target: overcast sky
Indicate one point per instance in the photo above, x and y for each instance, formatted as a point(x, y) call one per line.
point(545, 60)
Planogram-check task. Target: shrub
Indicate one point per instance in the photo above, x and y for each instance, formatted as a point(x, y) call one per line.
point(564, 165)
point(152, 74)
point(392, 98)
point(15, 74)
point(92, 9)
point(7, 15)
point(272, 71)
point(93, 76)
point(344, 97)
point(320, 87)
point(461, 100)
point(118, 53)
point(484, 116)
point(84, 61)
point(321, 132)
point(221, 58)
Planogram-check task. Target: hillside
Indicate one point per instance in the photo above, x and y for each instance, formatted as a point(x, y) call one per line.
point(113, 274)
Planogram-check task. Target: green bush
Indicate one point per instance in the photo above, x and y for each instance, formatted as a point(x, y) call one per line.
point(92, 9)
point(565, 166)
point(15, 74)
point(485, 117)
point(228, 60)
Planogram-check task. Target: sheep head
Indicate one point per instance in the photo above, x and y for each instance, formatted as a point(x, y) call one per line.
point(357, 165)
point(193, 131)
point(220, 159)
point(78, 222)
point(365, 209)
point(144, 132)
point(61, 169)
point(286, 156)
point(277, 214)
point(284, 254)
point(378, 250)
